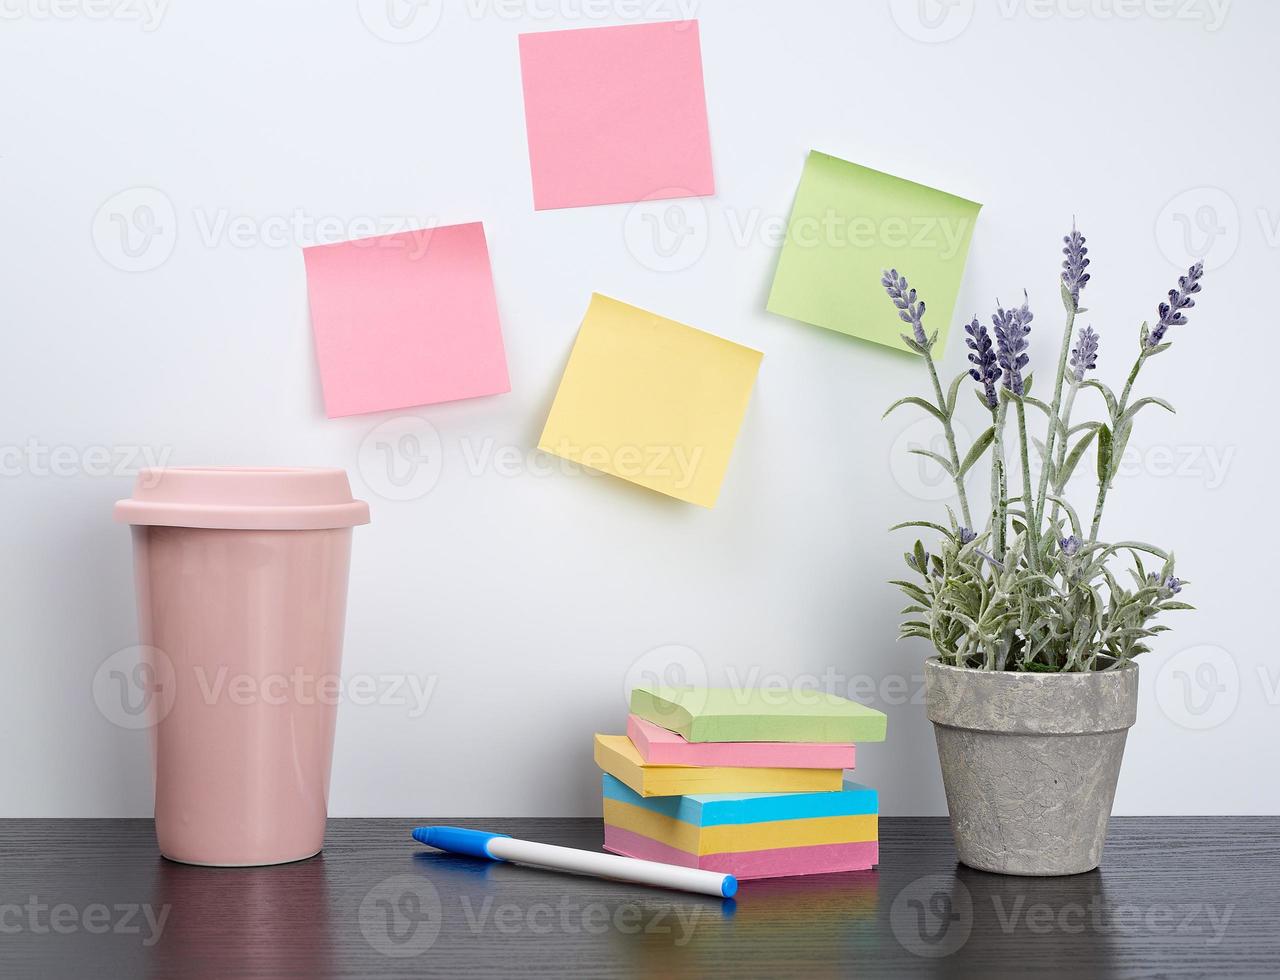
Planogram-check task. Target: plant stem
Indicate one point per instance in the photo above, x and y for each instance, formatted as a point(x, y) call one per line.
point(999, 521)
point(951, 439)
point(1028, 501)
point(1104, 485)
point(1061, 457)
point(1050, 438)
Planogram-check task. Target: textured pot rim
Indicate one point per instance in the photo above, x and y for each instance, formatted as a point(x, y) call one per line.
point(936, 661)
point(1032, 703)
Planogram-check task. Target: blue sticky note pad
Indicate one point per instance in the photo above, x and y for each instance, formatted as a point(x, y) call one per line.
point(717, 809)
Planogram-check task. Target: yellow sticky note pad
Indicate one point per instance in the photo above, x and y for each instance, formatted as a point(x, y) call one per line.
point(651, 400)
point(737, 837)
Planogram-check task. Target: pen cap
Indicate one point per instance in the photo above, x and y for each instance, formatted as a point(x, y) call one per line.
point(458, 840)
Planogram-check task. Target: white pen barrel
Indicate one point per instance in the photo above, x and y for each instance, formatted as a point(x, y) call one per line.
point(608, 866)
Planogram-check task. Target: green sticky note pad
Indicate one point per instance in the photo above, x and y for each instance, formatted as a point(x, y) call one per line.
point(850, 224)
point(712, 714)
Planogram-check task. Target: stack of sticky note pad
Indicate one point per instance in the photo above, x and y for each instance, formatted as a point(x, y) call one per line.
point(748, 783)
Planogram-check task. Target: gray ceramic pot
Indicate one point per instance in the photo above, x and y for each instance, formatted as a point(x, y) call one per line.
point(1030, 763)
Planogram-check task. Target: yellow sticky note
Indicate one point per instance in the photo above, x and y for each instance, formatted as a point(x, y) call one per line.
point(651, 400)
point(617, 755)
point(736, 837)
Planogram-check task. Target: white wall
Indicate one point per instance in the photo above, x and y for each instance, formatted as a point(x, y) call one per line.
point(525, 596)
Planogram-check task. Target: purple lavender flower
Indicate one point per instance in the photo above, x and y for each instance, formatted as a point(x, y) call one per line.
point(1179, 299)
point(1012, 327)
point(1171, 584)
point(1070, 546)
point(1084, 355)
point(1073, 275)
point(910, 309)
point(985, 370)
point(966, 536)
point(995, 563)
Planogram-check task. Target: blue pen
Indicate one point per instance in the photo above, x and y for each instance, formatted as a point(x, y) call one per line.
point(500, 847)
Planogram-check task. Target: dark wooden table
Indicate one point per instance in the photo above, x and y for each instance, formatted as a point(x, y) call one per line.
point(1175, 897)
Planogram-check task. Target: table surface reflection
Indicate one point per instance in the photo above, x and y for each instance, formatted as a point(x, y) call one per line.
point(1174, 897)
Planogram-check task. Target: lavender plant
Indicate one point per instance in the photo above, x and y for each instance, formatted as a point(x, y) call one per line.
point(1034, 589)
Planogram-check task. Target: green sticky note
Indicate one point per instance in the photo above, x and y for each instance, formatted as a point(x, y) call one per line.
point(848, 226)
point(713, 714)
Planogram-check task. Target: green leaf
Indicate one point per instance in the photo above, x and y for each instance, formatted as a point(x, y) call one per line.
point(954, 393)
point(940, 460)
point(1107, 394)
point(1132, 410)
point(1141, 574)
point(1141, 546)
point(1071, 513)
point(1120, 439)
point(1104, 455)
point(914, 591)
point(930, 524)
point(1073, 458)
point(977, 449)
point(1132, 546)
point(1068, 301)
point(1038, 404)
point(919, 402)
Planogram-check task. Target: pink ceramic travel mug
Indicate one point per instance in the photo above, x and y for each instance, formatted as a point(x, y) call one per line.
point(241, 578)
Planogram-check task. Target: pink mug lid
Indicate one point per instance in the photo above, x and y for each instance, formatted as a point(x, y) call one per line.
point(243, 497)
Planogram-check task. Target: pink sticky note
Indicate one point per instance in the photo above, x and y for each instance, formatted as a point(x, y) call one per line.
point(616, 114)
point(777, 862)
point(405, 319)
point(659, 747)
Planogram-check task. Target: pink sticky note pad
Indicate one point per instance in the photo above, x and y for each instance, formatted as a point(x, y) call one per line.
point(405, 319)
point(616, 114)
point(659, 747)
point(780, 862)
